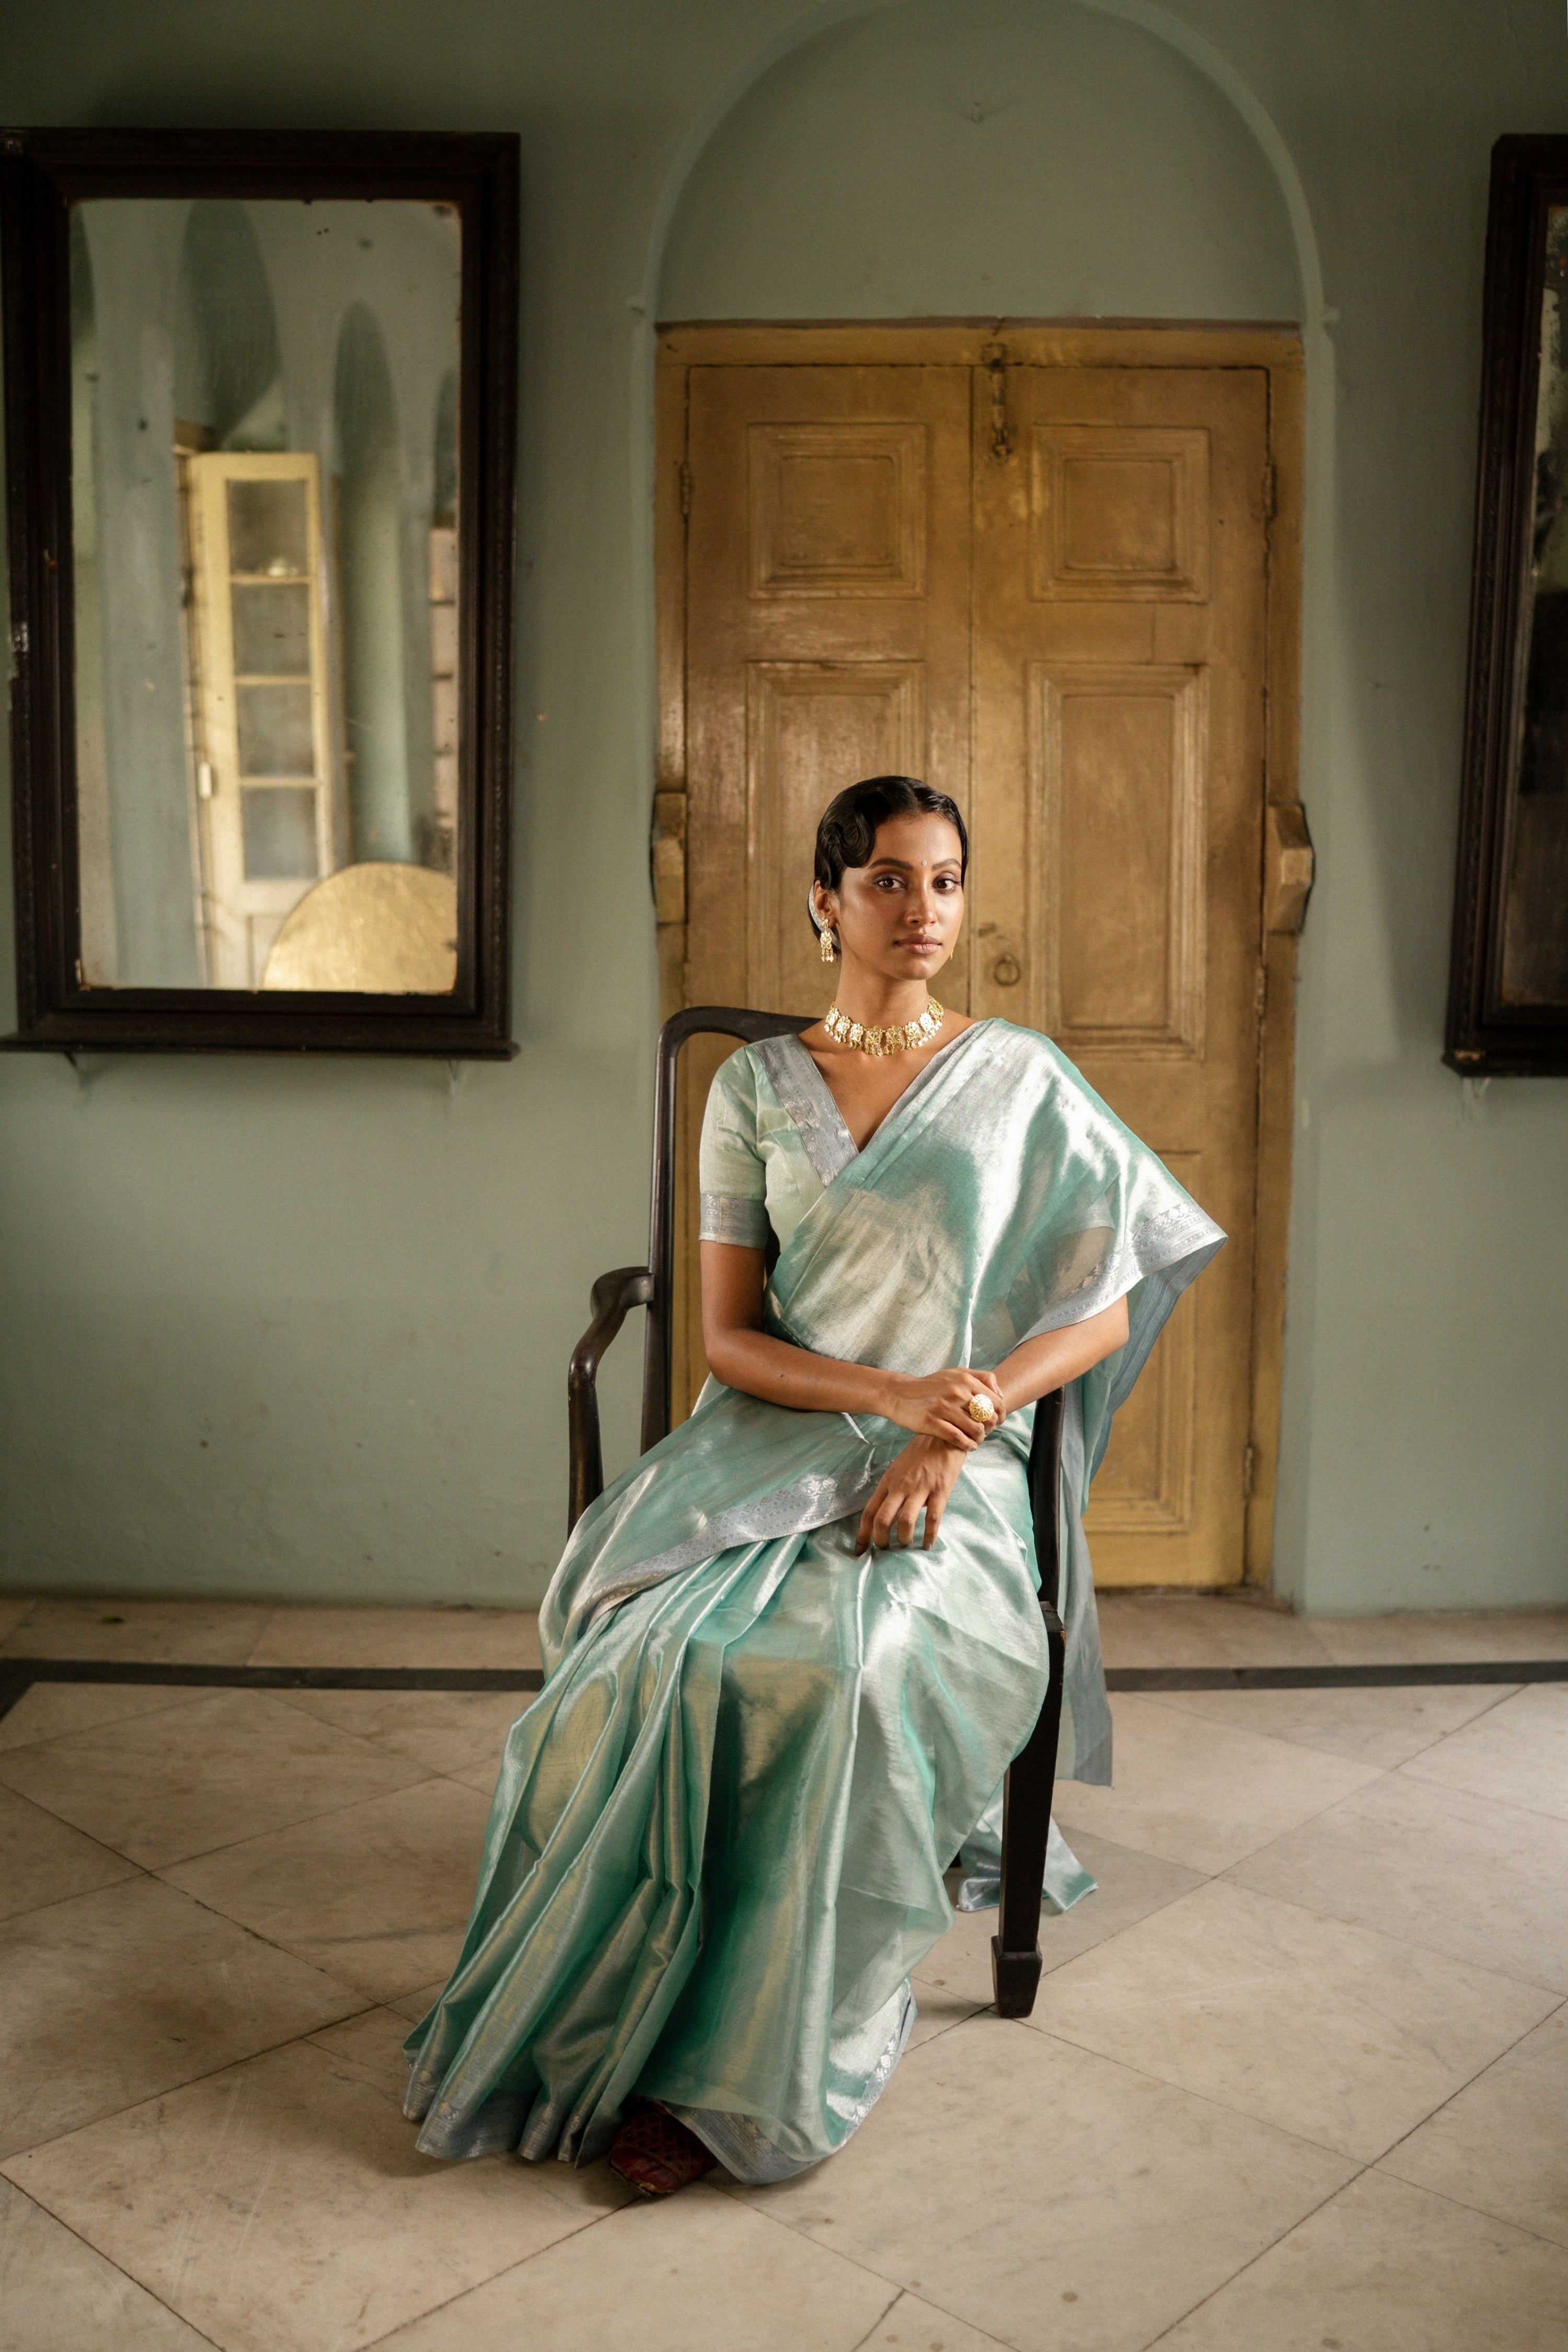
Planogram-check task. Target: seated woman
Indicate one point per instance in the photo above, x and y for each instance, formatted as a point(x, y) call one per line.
point(792, 1652)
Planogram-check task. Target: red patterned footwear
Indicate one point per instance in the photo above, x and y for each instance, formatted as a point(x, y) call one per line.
point(657, 2155)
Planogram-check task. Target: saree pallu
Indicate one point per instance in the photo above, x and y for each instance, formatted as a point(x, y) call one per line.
point(717, 1843)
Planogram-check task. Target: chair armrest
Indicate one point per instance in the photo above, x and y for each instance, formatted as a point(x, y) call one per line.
point(615, 1295)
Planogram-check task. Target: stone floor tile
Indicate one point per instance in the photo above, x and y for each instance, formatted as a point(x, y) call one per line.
point(1384, 1727)
point(57, 2295)
point(43, 1860)
point(1200, 1793)
point(279, 2206)
point(1387, 2268)
point(703, 2273)
point(1443, 1634)
point(1517, 1753)
point(1164, 1629)
point(1345, 2037)
point(913, 2325)
point(1502, 2145)
point(1049, 2197)
point(1484, 1882)
point(161, 1788)
point(378, 1893)
point(447, 1731)
point(1129, 1885)
point(51, 1710)
point(172, 1633)
point(15, 1610)
point(304, 1636)
point(113, 1997)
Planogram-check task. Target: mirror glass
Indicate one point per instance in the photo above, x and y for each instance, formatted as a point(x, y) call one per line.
point(264, 460)
point(1535, 903)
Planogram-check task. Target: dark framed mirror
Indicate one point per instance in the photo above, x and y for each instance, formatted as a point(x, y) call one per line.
point(260, 415)
point(1508, 992)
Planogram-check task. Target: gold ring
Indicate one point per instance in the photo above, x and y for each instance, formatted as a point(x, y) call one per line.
point(980, 1409)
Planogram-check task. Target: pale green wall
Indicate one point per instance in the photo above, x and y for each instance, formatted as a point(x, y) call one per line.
point(359, 1283)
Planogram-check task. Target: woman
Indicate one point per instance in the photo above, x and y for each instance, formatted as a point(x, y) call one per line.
point(792, 1650)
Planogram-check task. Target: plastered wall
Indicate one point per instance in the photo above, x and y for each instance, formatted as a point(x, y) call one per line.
point(300, 1328)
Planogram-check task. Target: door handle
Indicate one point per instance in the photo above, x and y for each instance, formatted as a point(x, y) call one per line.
point(1291, 865)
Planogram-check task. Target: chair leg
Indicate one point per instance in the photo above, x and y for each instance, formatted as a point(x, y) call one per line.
point(1026, 1827)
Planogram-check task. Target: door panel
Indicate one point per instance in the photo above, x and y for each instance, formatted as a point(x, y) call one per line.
point(1070, 636)
point(1119, 630)
point(827, 638)
point(1116, 892)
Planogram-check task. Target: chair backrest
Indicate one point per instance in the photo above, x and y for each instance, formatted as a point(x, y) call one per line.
point(724, 1020)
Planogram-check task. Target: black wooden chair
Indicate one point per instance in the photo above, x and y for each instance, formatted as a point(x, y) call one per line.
point(1026, 1813)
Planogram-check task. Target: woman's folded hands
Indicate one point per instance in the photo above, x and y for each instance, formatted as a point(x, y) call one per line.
point(919, 1479)
point(936, 1404)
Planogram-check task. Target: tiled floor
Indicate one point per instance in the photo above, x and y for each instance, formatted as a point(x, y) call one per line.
point(1297, 2078)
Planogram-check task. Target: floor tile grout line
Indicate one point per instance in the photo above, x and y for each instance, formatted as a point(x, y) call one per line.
point(131, 2280)
point(30, 1910)
point(888, 2309)
point(1536, 1984)
point(1240, 2271)
point(1500, 1693)
point(1480, 1796)
point(179, 1695)
point(593, 2221)
point(204, 1853)
point(1443, 2103)
point(1464, 2205)
point(1384, 1935)
point(1207, 2098)
point(172, 2090)
point(735, 2191)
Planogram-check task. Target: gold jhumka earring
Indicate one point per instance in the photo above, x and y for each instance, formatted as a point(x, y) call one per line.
point(824, 947)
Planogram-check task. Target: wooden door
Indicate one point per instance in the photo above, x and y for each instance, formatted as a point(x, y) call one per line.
point(1037, 573)
point(1120, 639)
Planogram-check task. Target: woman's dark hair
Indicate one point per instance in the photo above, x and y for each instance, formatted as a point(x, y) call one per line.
point(847, 833)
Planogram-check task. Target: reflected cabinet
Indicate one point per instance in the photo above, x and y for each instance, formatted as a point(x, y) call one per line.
point(260, 412)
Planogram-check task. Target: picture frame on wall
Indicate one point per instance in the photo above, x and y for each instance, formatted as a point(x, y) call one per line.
point(1507, 1002)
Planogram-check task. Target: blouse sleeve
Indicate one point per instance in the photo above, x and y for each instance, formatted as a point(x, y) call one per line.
point(730, 1173)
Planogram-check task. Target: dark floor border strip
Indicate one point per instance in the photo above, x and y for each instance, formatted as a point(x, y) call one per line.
point(1392, 1678)
point(18, 1675)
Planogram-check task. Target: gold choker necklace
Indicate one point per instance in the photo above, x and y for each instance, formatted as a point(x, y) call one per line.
point(904, 1039)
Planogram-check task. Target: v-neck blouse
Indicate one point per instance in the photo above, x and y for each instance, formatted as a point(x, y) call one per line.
point(773, 1138)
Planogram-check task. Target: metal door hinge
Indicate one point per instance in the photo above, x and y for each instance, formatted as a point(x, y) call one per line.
point(1248, 1471)
point(685, 488)
point(995, 357)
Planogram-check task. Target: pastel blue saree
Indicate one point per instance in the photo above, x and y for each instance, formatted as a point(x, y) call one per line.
point(720, 1837)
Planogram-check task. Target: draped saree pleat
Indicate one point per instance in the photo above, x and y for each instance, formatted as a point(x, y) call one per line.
point(717, 1843)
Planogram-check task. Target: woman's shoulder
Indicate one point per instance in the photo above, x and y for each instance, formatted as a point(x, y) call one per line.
point(1029, 1054)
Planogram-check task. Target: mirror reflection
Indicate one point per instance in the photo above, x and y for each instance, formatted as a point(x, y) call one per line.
point(265, 520)
point(1535, 906)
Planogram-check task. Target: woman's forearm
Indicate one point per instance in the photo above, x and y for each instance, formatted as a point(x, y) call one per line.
point(773, 1370)
point(1058, 1357)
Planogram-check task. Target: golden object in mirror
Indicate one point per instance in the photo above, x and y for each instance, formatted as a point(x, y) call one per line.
point(377, 930)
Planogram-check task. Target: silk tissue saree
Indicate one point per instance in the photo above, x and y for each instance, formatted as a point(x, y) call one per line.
point(719, 1840)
